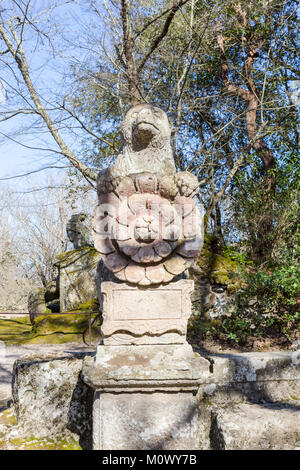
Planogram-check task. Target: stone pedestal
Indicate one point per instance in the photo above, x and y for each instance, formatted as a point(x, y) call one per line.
point(148, 230)
point(153, 315)
point(145, 396)
point(145, 375)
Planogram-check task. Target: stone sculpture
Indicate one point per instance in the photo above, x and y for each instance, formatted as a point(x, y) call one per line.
point(148, 231)
point(147, 226)
point(78, 231)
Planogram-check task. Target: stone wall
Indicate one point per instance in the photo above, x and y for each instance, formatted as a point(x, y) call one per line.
point(246, 401)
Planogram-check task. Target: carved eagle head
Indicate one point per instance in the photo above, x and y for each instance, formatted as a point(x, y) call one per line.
point(146, 126)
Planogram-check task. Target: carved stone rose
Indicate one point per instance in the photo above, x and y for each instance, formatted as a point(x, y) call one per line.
point(147, 226)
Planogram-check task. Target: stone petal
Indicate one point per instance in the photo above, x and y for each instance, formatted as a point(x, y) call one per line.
point(121, 275)
point(130, 250)
point(168, 214)
point(163, 249)
point(129, 247)
point(144, 282)
point(137, 203)
point(125, 217)
point(121, 232)
point(171, 232)
point(146, 182)
point(155, 274)
point(103, 227)
point(125, 188)
point(175, 265)
point(142, 233)
point(134, 273)
point(103, 245)
point(168, 277)
point(154, 202)
point(110, 201)
point(191, 225)
point(190, 248)
point(115, 262)
point(144, 255)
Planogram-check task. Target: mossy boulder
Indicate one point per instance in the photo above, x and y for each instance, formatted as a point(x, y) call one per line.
point(52, 404)
point(216, 276)
point(15, 330)
point(37, 302)
point(7, 418)
point(52, 329)
point(34, 443)
point(219, 267)
point(56, 329)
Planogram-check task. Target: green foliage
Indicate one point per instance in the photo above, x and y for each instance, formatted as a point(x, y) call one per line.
point(268, 307)
point(284, 210)
point(234, 255)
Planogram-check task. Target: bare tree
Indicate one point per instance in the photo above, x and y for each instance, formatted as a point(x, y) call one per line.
point(33, 233)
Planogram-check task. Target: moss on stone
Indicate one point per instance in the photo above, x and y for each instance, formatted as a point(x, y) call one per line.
point(14, 329)
point(51, 329)
point(7, 418)
point(61, 328)
point(90, 306)
point(221, 267)
point(33, 443)
point(72, 253)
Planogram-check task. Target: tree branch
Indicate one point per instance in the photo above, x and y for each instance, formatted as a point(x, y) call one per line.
point(176, 6)
point(20, 58)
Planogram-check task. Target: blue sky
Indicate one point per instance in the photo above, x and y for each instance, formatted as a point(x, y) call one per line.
point(48, 75)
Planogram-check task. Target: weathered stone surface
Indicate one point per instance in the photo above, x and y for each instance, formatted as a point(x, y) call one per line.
point(77, 277)
point(36, 303)
point(145, 368)
point(255, 427)
point(146, 132)
point(187, 183)
point(253, 377)
point(129, 418)
point(132, 315)
point(50, 399)
point(272, 391)
point(256, 366)
point(78, 230)
point(147, 421)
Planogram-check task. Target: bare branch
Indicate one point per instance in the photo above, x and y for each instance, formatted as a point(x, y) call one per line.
point(176, 6)
point(20, 58)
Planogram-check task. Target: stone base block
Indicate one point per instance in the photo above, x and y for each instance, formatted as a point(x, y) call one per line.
point(146, 396)
point(145, 421)
point(255, 427)
point(122, 369)
point(153, 315)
